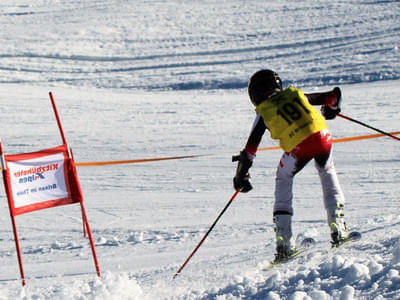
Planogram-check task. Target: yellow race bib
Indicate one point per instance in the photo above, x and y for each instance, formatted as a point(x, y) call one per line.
point(290, 118)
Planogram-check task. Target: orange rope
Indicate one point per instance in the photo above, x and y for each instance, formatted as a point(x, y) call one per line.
point(269, 148)
point(134, 161)
point(102, 163)
point(363, 137)
point(346, 139)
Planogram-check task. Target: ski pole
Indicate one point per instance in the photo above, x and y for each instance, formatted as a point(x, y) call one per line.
point(368, 126)
point(208, 232)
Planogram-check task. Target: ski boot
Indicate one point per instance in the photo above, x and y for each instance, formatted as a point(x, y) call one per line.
point(285, 243)
point(339, 232)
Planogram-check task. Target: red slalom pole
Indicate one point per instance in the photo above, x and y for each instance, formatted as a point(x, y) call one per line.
point(53, 103)
point(368, 126)
point(208, 232)
point(7, 187)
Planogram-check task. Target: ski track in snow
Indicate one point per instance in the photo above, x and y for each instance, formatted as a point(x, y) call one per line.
point(150, 79)
point(211, 45)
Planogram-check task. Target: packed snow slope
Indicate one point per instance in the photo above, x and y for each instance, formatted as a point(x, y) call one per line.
point(151, 79)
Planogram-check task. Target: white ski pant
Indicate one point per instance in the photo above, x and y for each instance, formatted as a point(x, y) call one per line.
point(317, 147)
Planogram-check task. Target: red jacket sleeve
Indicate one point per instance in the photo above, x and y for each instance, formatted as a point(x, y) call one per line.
point(325, 98)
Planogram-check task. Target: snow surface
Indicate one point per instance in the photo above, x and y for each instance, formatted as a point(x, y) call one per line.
point(147, 79)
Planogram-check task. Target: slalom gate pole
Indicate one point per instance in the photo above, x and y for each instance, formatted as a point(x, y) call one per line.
point(7, 187)
point(208, 232)
point(368, 126)
point(86, 226)
point(53, 103)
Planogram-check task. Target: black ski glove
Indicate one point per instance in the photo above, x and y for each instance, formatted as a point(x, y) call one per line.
point(241, 180)
point(329, 111)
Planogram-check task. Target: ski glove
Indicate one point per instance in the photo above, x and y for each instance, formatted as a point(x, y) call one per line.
point(332, 107)
point(241, 180)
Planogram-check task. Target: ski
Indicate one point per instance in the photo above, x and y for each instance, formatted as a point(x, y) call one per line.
point(305, 245)
point(354, 236)
point(308, 244)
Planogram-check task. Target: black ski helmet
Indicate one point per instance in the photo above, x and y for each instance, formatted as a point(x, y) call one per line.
point(263, 84)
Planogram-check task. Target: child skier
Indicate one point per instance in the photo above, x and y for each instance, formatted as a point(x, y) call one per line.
point(303, 135)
